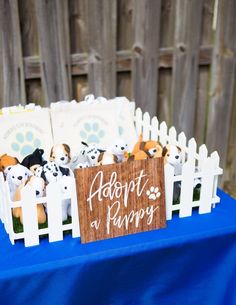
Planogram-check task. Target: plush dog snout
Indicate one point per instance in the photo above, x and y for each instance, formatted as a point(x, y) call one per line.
point(176, 157)
point(65, 187)
point(122, 148)
point(62, 158)
point(93, 157)
point(55, 174)
point(19, 177)
point(37, 193)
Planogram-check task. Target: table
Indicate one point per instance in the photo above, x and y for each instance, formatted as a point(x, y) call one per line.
point(192, 261)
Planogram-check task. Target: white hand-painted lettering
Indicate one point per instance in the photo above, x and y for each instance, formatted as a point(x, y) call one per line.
point(114, 189)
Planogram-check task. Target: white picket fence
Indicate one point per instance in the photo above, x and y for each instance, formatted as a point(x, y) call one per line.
point(28, 203)
point(208, 171)
point(207, 167)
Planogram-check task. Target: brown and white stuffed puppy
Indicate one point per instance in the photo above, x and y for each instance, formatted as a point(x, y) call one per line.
point(38, 186)
point(106, 158)
point(60, 154)
point(173, 155)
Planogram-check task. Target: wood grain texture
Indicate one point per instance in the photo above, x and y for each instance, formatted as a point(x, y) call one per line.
point(222, 80)
point(146, 50)
point(89, 181)
point(102, 47)
point(78, 16)
point(185, 65)
point(124, 24)
point(203, 80)
point(53, 26)
point(29, 30)
point(13, 87)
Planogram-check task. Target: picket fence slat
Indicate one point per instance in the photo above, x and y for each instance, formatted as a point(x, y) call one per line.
point(186, 194)
point(30, 219)
point(54, 212)
point(172, 135)
point(154, 128)
point(1, 197)
point(138, 120)
point(202, 156)
point(163, 133)
point(169, 174)
point(146, 126)
point(74, 210)
point(207, 186)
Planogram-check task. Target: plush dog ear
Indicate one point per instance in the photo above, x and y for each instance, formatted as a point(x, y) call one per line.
point(44, 162)
point(65, 171)
point(164, 152)
point(179, 149)
point(116, 160)
point(43, 175)
point(101, 150)
point(100, 157)
point(51, 153)
point(84, 143)
point(26, 161)
point(67, 148)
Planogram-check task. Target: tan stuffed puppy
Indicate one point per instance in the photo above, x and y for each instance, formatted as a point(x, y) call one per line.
point(139, 155)
point(38, 185)
point(106, 158)
point(6, 162)
point(146, 149)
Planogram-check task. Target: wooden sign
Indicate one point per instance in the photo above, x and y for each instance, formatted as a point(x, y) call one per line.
point(121, 199)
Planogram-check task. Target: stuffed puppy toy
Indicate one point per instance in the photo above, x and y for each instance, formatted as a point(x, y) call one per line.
point(173, 155)
point(91, 153)
point(34, 160)
point(6, 162)
point(38, 185)
point(61, 155)
point(106, 158)
point(17, 175)
point(119, 148)
point(50, 172)
point(153, 149)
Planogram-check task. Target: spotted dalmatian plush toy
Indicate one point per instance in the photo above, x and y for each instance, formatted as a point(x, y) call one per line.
point(50, 172)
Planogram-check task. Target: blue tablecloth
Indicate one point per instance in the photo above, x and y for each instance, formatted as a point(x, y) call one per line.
point(192, 261)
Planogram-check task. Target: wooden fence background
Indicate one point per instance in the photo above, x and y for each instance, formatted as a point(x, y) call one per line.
point(176, 58)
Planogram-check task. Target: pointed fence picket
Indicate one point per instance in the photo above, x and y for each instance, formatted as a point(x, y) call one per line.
point(154, 128)
point(146, 122)
point(30, 218)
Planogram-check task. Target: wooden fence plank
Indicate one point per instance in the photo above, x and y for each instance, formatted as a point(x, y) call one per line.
point(185, 65)
point(78, 26)
point(146, 46)
point(102, 47)
point(12, 63)
point(53, 26)
point(222, 80)
point(29, 31)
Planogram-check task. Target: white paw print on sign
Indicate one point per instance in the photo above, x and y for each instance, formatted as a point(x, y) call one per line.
point(153, 193)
